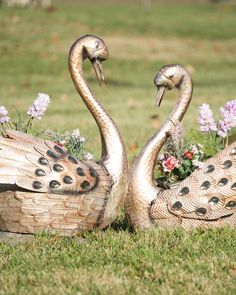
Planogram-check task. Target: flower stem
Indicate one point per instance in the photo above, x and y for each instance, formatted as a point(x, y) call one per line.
point(3, 130)
point(29, 125)
point(227, 141)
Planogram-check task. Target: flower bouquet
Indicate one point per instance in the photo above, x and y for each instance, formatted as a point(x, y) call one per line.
point(72, 141)
point(180, 158)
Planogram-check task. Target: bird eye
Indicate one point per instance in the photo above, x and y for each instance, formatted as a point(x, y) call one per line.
point(171, 76)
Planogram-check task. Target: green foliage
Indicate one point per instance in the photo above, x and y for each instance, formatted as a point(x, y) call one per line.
point(72, 141)
point(211, 144)
point(178, 160)
point(20, 124)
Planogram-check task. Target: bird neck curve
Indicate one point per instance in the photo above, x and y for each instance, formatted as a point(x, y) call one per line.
point(114, 157)
point(112, 144)
point(144, 164)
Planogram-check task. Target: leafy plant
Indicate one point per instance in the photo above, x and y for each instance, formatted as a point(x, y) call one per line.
point(72, 141)
point(178, 161)
point(35, 111)
point(180, 158)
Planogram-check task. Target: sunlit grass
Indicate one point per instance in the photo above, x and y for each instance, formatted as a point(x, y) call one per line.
point(119, 262)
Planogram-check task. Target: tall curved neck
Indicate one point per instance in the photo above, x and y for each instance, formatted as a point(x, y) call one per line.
point(144, 164)
point(112, 145)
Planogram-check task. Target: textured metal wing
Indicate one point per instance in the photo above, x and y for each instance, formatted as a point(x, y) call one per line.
point(42, 166)
point(206, 198)
point(43, 187)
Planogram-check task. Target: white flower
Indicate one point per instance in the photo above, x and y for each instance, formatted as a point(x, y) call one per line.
point(82, 139)
point(162, 157)
point(197, 163)
point(194, 149)
point(75, 134)
point(88, 156)
point(197, 150)
point(62, 142)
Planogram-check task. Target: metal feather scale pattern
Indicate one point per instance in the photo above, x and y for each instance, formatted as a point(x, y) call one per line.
point(44, 188)
point(207, 198)
point(29, 204)
point(211, 197)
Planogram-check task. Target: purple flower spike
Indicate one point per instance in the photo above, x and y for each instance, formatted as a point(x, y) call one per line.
point(39, 106)
point(228, 118)
point(3, 115)
point(223, 128)
point(205, 119)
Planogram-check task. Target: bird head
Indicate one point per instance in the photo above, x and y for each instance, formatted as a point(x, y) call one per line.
point(95, 50)
point(168, 77)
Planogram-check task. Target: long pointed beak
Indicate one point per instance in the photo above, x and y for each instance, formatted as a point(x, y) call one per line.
point(97, 65)
point(160, 94)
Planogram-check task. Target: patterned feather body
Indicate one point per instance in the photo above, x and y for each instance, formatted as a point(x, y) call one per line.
point(42, 187)
point(207, 198)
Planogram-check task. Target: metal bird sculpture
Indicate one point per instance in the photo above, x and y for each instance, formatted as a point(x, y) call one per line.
point(42, 187)
point(207, 198)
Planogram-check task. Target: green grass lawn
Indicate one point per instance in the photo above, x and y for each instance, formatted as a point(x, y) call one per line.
point(34, 48)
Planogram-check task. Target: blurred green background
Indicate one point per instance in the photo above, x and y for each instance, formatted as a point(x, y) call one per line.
point(34, 45)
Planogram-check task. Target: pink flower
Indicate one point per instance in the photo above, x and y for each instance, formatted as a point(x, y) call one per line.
point(170, 164)
point(205, 119)
point(227, 118)
point(188, 154)
point(39, 106)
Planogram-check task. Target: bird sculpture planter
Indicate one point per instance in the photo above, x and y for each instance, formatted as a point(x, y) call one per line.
point(43, 188)
point(207, 198)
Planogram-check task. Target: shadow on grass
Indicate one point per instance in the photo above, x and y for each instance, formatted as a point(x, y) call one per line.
point(121, 224)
